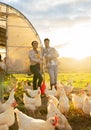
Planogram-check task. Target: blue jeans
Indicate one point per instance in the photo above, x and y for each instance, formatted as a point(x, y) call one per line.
point(53, 71)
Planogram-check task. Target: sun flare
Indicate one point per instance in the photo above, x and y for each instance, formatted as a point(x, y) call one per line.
point(78, 39)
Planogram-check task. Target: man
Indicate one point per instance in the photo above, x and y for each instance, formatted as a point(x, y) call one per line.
point(50, 54)
point(35, 60)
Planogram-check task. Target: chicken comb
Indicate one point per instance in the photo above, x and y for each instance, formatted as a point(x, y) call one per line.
point(15, 89)
point(14, 104)
point(56, 120)
point(82, 91)
point(39, 92)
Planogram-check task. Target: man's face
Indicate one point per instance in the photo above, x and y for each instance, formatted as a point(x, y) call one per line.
point(46, 43)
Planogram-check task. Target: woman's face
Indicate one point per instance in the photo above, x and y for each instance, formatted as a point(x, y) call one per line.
point(35, 45)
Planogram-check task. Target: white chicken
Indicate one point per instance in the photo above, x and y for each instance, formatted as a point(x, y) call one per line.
point(8, 117)
point(58, 92)
point(28, 123)
point(63, 102)
point(54, 99)
point(11, 99)
point(68, 87)
point(4, 127)
point(77, 100)
point(52, 110)
point(32, 93)
point(32, 103)
point(87, 105)
point(51, 92)
point(88, 88)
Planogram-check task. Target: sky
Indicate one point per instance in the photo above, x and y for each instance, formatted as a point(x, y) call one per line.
point(67, 23)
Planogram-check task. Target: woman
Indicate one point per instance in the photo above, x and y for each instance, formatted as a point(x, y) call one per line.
point(35, 60)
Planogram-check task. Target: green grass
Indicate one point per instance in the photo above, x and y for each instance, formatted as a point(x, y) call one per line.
point(79, 79)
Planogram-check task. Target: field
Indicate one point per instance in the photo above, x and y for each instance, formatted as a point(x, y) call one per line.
point(79, 79)
point(77, 120)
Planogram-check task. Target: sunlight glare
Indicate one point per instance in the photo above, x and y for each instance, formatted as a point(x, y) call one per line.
point(79, 41)
point(72, 41)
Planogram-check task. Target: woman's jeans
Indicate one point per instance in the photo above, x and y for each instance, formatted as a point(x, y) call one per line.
point(37, 76)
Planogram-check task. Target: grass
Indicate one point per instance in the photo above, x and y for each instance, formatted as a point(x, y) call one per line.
point(79, 79)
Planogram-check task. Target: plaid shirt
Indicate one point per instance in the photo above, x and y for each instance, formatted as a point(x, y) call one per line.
point(51, 56)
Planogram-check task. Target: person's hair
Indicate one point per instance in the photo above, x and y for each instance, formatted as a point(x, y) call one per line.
point(46, 39)
point(34, 42)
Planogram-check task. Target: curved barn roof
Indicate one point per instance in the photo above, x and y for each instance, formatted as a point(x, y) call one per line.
point(16, 35)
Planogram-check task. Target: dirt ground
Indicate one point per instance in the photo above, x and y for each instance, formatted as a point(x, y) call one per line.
point(77, 121)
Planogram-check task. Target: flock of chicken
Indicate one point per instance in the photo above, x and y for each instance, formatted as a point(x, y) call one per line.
point(57, 107)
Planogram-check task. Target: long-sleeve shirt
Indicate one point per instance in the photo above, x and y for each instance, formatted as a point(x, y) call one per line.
point(51, 56)
point(35, 57)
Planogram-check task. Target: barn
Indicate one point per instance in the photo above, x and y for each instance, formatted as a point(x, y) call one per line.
point(16, 35)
